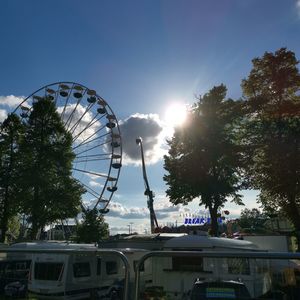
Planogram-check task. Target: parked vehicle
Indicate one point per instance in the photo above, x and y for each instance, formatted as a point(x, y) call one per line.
point(176, 274)
point(220, 290)
point(14, 267)
point(16, 289)
point(80, 276)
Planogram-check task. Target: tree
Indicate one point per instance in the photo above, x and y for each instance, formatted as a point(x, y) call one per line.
point(13, 228)
point(251, 218)
point(49, 192)
point(10, 134)
point(204, 157)
point(93, 228)
point(273, 132)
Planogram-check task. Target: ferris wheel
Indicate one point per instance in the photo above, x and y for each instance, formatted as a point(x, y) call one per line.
point(96, 139)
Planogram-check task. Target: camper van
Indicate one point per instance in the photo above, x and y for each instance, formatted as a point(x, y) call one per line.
point(177, 274)
point(83, 275)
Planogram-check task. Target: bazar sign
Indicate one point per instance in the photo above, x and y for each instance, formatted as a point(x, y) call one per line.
point(200, 220)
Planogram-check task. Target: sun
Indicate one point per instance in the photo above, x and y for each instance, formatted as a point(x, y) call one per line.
point(175, 114)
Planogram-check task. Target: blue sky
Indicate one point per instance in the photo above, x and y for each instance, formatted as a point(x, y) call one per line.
point(141, 56)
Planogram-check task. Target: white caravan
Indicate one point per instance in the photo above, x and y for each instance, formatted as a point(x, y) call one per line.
point(80, 276)
point(176, 275)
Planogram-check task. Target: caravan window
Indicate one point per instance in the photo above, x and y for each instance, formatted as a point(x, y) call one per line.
point(20, 266)
point(15, 269)
point(111, 267)
point(238, 266)
point(47, 270)
point(98, 266)
point(187, 263)
point(81, 269)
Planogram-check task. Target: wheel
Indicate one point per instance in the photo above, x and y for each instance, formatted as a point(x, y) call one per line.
point(96, 138)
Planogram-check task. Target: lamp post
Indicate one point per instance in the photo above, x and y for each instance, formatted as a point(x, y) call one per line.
point(148, 192)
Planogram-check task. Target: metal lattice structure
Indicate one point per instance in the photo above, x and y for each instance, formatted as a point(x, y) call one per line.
point(96, 139)
point(148, 192)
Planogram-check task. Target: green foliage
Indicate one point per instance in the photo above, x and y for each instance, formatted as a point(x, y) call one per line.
point(253, 218)
point(11, 132)
point(93, 228)
point(204, 157)
point(273, 131)
point(49, 193)
point(14, 226)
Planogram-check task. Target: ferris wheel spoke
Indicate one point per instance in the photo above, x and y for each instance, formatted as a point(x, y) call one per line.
point(62, 91)
point(90, 124)
point(70, 118)
point(96, 174)
point(91, 191)
point(89, 160)
point(90, 141)
point(55, 98)
point(96, 131)
point(73, 128)
point(107, 155)
point(94, 147)
point(66, 102)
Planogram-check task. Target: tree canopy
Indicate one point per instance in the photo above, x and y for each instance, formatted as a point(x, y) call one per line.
point(204, 157)
point(251, 218)
point(49, 192)
point(93, 228)
point(272, 134)
point(11, 133)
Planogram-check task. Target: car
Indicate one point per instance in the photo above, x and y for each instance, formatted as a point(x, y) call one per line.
point(16, 289)
point(219, 290)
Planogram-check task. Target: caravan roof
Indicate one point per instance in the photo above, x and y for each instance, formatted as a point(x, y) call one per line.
point(197, 242)
point(52, 245)
point(156, 236)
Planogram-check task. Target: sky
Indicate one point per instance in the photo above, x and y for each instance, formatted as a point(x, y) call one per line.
point(141, 56)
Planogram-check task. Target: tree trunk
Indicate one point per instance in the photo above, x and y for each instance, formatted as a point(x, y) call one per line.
point(214, 220)
point(4, 220)
point(293, 212)
point(3, 227)
point(34, 215)
point(34, 230)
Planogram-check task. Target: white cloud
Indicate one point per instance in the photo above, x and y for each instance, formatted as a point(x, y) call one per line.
point(150, 128)
point(92, 176)
point(95, 183)
point(118, 210)
point(83, 129)
point(118, 229)
point(3, 115)
point(11, 100)
point(298, 7)
point(123, 215)
point(163, 209)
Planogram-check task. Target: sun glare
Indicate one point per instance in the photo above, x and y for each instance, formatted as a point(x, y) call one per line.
point(175, 114)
